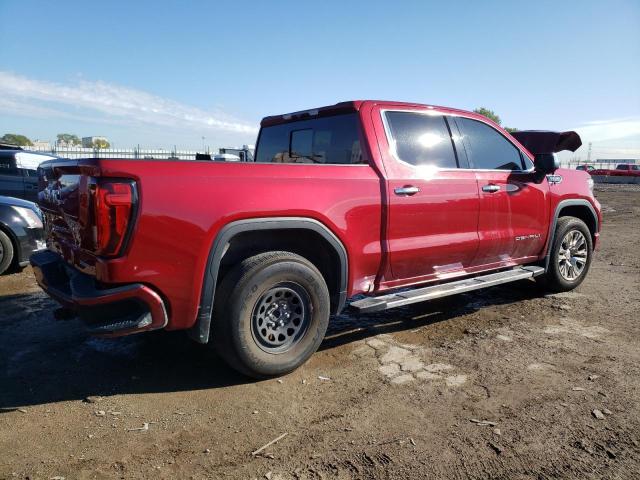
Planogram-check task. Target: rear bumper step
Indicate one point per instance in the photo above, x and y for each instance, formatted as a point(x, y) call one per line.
point(392, 300)
point(115, 311)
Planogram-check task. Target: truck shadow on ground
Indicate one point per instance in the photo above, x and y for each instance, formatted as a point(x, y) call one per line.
point(351, 327)
point(43, 360)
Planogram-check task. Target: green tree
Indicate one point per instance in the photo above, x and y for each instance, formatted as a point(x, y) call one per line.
point(100, 143)
point(15, 139)
point(490, 114)
point(69, 139)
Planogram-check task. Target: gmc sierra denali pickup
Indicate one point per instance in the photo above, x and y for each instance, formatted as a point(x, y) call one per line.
point(394, 202)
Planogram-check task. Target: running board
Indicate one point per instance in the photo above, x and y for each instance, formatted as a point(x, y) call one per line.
point(385, 302)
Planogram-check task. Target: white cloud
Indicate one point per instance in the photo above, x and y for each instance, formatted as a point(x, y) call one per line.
point(119, 104)
point(603, 130)
point(617, 138)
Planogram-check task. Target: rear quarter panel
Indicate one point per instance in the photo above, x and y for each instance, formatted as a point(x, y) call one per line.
point(183, 205)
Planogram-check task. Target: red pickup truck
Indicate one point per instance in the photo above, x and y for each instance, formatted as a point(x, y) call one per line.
point(395, 202)
point(621, 170)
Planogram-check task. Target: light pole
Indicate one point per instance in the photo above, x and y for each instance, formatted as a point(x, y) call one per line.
point(203, 145)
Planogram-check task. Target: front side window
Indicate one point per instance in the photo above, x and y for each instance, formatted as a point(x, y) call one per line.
point(487, 148)
point(526, 161)
point(8, 165)
point(421, 139)
point(325, 140)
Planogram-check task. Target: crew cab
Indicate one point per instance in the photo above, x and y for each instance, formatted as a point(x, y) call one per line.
point(394, 202)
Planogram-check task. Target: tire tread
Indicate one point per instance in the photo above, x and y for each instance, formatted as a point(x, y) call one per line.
point(552, 280)
point(7, 246)
point(236, 278)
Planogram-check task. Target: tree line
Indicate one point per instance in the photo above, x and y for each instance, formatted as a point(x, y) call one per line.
point(62, 138)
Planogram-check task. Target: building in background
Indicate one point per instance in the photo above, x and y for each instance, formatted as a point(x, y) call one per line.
point(89, 142)
point(40, 144)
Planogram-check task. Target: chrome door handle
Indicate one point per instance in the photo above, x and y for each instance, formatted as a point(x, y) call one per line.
point(408, 190)
point(491, 188)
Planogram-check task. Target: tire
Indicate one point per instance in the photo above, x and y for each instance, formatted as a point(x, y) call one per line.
point(568, 270)
point(270, 315)
point(6, 252)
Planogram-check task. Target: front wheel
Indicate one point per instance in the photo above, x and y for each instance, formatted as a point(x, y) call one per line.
point(6, 252)
point(570, 255)
point(271, 313)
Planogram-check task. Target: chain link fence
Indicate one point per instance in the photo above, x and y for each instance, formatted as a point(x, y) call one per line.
point(133, 153)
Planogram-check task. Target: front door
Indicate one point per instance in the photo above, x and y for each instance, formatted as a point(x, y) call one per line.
point(11, 181)
point(514, 202)
point(433, 204)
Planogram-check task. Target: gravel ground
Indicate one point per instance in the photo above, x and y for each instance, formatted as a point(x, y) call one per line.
point(613, 187)
point(505, 383)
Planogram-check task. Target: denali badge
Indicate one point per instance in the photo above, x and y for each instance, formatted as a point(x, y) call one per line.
point(528, 237)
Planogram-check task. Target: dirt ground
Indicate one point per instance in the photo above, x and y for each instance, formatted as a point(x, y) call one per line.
point(502, 383)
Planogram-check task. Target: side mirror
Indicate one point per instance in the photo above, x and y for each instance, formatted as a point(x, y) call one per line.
point(546, 163)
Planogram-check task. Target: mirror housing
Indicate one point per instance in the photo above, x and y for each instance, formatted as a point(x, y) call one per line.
point(546, 163)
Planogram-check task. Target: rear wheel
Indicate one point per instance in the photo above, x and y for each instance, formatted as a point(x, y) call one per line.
point(6, 252)
point(570, 256)
point(271, 314)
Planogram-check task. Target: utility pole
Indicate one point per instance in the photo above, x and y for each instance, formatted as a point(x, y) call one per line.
point(589, 154)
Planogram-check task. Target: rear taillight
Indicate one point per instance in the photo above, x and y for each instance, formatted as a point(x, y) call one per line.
point(114, 204)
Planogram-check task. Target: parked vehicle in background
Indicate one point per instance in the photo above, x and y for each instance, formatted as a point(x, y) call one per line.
point(18, 172)
point(621, 170)
point(244, 154)
point(398, 202)
point(627, 169)
point(21, 232)
point(585, 168)
point(228, 154)
point(226, 157)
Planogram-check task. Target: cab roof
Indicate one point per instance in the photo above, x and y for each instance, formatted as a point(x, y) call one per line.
point(348, 107)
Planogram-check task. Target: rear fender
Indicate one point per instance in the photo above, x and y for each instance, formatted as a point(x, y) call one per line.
point(200, 331)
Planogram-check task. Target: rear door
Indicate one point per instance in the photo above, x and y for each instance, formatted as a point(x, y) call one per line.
point(11, 183)
point(433, 204)
point(514, 201)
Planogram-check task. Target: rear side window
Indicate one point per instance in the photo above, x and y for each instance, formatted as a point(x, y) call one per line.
point(487, 148)
point(328, 140)
point(421, 139)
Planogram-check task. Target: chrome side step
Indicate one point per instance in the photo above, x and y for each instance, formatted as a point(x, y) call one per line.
point(392, 300)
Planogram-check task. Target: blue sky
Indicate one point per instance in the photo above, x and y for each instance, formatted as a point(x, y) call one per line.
point(163, 73)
